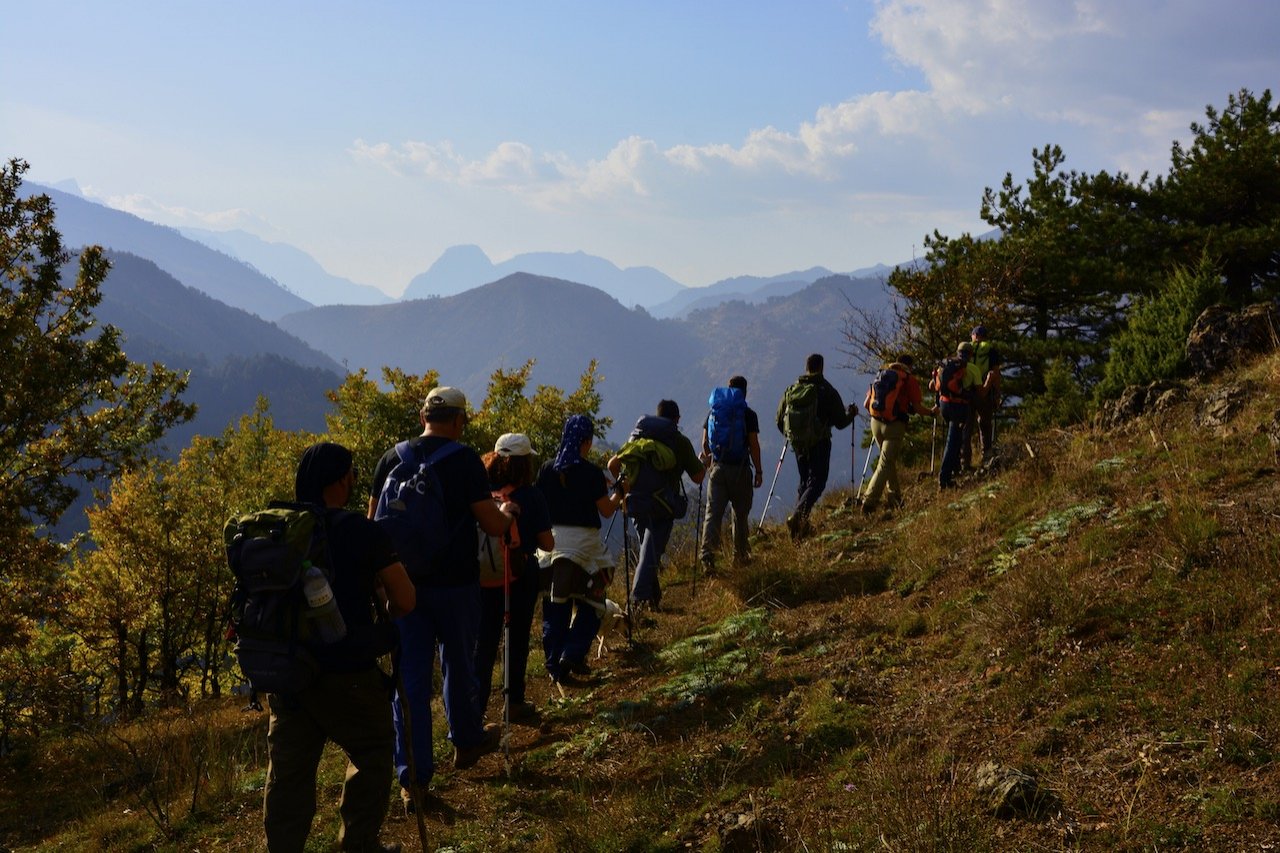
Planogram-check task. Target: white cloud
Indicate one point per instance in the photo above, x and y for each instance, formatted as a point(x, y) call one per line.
point(152, 210)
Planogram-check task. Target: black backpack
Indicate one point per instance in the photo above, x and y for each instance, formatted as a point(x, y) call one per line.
point(411, 508)
point(269, 553)
point(948, 380)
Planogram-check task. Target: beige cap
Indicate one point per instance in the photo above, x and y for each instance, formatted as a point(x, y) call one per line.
point(444, 397)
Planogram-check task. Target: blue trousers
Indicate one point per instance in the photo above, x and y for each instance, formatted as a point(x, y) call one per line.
point(955, 414)
point(814, 464)
point(654, 535)
point(566, 634)
point(446, 622)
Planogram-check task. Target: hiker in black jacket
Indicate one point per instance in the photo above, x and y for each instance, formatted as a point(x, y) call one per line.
point(809, 433)
point(347, 703)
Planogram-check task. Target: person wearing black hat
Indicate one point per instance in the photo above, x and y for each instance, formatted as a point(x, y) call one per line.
point(347, 703)
point(982, 412)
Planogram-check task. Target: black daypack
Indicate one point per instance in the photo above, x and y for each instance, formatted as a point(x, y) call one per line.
point(411, 508)
point(269, 553)
point(727, 425)
point(948, 380)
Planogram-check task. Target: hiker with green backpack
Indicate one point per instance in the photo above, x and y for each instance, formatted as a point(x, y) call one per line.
point(809, 409)
point(731, 446)
point(345, 701)
point(651, 466)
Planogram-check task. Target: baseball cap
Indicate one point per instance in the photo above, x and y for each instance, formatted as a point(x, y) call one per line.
point(444, 397)
point(964, 347)
point(513, 444)
point(978, 332)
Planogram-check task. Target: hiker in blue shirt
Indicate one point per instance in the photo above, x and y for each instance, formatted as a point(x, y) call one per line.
point(655, 521)
point(733, 454)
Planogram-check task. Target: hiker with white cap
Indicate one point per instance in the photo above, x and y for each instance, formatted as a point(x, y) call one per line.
point(509, 598)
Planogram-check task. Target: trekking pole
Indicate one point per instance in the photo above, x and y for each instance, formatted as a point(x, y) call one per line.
point(853, 448)
point(697, 541)
point(506, 659)
point(626, 569)
point(866, 462)
point(778, 470)
point(415, 791)
point(933, 443)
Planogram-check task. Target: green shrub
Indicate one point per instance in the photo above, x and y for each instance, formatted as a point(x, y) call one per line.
point(1152, 346)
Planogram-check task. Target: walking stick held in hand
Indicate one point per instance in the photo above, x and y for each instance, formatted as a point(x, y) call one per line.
point(697, 541)
point(776, 471)
point(865, 464)
point(506, 657)
point(415, 790)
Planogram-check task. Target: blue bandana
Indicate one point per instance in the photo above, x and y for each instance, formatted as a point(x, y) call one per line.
point(576, 430)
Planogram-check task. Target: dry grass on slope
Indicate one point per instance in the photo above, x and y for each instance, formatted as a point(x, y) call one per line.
point(1100, 617)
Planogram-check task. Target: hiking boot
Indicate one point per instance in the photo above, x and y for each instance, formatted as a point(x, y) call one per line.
point(708, 567)
point(523, 711)
point(466, 757)
point(580, 668)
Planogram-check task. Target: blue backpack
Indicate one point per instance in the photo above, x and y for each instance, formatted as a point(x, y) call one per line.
point(411, 508)
point(727, 425)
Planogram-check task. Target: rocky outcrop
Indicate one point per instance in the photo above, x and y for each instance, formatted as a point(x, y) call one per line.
point(1010, 793)
point(1138, 400)
point(1220, 336)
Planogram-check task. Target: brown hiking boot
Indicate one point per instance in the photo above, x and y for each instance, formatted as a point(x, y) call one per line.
point(468, 756)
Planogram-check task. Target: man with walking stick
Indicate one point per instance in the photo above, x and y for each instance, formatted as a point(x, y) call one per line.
point(891, 400)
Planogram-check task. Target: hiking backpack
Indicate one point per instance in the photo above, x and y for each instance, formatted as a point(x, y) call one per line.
point(882, 395)
point(948, 380)
point(727, 425)
point(647, 464)
point(800, 423)
point(411, 508)
point(499, 560)
point(269, 552)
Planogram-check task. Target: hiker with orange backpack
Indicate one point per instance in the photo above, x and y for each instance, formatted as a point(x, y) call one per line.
point(893, 397)
point(956, 381)
point(509, 584)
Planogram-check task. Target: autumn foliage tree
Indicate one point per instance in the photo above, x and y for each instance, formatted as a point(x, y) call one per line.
point(73, 408)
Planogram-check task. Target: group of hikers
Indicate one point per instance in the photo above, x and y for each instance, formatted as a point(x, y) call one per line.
point(434, 577)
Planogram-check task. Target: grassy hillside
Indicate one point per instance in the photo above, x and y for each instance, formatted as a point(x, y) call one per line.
point(1098, 614)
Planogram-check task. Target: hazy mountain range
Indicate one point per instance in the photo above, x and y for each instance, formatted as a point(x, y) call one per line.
point(192, 304)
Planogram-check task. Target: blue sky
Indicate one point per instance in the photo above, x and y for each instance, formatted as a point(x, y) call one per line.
point(707, 139)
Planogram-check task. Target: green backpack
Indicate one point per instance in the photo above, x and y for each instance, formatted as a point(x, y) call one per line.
point(800, 423)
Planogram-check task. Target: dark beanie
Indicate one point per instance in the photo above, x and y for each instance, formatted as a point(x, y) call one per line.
point(321, 465)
